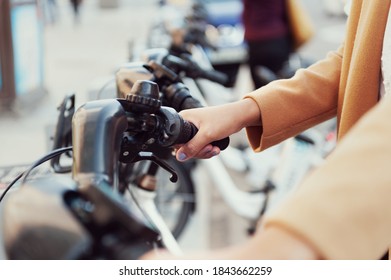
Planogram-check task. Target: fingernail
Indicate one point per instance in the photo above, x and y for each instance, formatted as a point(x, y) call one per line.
point(182, 156)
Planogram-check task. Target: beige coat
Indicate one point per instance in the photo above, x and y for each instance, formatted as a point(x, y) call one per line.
point(344, 207)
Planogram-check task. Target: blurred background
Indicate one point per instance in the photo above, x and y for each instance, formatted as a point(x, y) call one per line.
point(49, 48)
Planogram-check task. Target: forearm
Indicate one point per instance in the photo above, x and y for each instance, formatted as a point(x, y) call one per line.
point(250, 113)
point(291, 106)
point(273, 243)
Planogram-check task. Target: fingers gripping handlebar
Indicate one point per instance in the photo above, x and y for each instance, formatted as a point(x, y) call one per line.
point(173, 92)
point(175, 130)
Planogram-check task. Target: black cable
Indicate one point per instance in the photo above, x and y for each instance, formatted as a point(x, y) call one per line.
point(25, 174)
point(10, 186)
point(141, 209)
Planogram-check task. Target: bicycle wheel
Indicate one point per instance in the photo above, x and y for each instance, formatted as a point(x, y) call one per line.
point(175, 201)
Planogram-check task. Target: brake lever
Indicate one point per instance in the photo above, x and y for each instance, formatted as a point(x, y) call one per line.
point(150, 156)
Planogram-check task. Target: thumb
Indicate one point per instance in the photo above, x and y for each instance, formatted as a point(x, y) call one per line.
point(191, 148)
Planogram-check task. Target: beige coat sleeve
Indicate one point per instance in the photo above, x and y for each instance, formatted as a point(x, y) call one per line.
point(289, 107)
point(344, 207)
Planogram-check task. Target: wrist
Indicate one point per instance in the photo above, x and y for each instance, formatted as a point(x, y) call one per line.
point(251, 113)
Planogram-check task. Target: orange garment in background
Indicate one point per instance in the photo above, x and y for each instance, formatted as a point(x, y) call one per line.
point(343, 208)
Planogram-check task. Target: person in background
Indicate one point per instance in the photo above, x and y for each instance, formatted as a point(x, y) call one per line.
point(342, 209)
point(76, 9)
point(51, 11)
point(266, 32)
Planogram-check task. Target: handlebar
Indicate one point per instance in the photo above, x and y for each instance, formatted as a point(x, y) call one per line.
point(106, 134)
point(113, 131)
point(181, 62)
point(191, 68)
point(99, 223)
point(163, 123)
point(173, 93)
point(117, 130)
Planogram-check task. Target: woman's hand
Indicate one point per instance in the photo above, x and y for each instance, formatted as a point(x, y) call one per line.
point(215, 123)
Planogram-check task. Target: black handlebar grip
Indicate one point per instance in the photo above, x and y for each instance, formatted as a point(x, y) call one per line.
point(215, 76)
point(180, 98)
point(190, 103)
point(189, 130)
